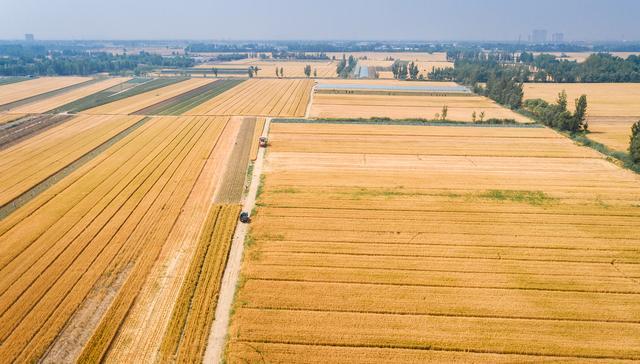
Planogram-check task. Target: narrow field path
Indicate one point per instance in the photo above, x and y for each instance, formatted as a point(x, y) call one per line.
point(218, 334)
point(310, 101)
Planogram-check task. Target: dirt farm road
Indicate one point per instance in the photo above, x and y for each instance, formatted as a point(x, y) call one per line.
point(217, 336)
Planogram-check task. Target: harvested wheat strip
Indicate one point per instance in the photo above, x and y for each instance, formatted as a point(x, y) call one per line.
point(77, 292)
point(57, 152)
point(30, 194)
point(257, 133)
point(87, 234)
point(232, 185)
point(445, 301)
point(25, 128)
point(152, 310)
point(144, 252)
point(38, 316)
point(614, 341)
point(186, 336)
point(617, 284)
point(240, 351)
point(23, 90)
point(83, 90)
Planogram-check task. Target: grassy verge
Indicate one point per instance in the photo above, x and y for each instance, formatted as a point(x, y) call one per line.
point(620, 158)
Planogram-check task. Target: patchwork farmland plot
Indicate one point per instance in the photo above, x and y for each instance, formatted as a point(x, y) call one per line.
point(404, 106)
point(75, 258)
point(21, 90)
point(285, 98)
point(21, 128)
point(51, 103)
point(324, 69)
point(121, 91)
point(613, 107)
point(135, 103)
point(26, 164)
point(496, 245)
point(190, 99)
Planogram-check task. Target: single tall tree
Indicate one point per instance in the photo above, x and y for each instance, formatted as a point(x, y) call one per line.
point(562, 100)
point(634, 143)
point(580, 114)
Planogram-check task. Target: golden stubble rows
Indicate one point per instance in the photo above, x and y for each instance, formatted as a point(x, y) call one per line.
point(364, 250)
point(612, 107)
point(22, 90)
point(107, 219)
point(283, 98)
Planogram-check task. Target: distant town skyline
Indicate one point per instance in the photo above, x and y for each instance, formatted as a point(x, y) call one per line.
point(454, 20)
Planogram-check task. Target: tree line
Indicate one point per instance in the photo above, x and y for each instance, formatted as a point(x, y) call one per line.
point(557, 115)
point(59, 64)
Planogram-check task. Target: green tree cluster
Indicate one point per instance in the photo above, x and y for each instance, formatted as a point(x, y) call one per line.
point(557, 115)
point(634, 143)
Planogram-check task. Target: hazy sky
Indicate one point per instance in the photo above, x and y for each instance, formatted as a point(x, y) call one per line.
point(320, 19)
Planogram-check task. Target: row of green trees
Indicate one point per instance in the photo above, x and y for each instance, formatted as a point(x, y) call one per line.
point(602, 67)
point(557, 115)
point(59, 64)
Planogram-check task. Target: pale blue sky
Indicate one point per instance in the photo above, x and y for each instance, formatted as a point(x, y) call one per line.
point(319, 19)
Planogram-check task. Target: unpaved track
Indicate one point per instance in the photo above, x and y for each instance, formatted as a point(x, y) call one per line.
point(218, 334)
point(310, 102)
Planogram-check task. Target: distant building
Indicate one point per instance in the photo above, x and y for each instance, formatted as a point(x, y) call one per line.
point(29, 37)
point(557, 37)
point(539, 36)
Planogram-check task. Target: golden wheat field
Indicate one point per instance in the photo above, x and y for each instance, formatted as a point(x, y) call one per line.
point(460, 108)
point(22, 90)
point(403, 56)
point(284, 98)
point(426, 67)
point(612, 107)
point(51, 103)
point(438, 244)
point(24, 165)
point(7, 118)
point(324, 69)
point(132, 104)
point(78, 259)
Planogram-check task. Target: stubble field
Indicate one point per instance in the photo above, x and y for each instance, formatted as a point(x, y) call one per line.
point(22, 90)
point(460, 108)
point(612, 107)
point(283, 98)
point(496, 245)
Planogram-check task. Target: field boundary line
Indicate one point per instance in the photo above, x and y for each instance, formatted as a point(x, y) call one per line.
point(290, 265)
point(436, 348)
point(442, 285)
point(600, 260)
point(435, 314)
